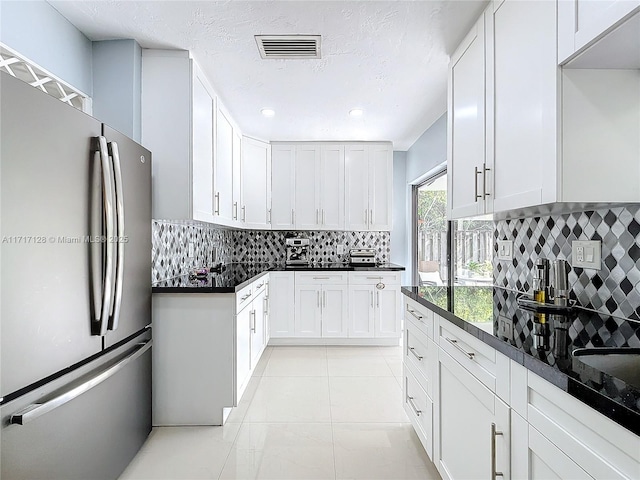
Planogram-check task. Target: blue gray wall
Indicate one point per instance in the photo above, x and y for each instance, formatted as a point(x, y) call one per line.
point(399, 218)
point(36, 30)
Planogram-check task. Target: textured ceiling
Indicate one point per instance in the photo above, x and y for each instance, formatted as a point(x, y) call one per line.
point(386, 57)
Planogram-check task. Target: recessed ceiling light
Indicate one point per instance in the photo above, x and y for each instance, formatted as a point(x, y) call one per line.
point(267, 112)
point(356, 112)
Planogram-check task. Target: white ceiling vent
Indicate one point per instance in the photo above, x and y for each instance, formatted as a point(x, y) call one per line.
point(289, 46)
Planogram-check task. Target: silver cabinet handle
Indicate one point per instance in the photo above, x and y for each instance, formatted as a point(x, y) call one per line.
point(324, 299)
point(484, 180)
point(244, 297)
point(216, 210)
point(414, 314)
point(475, 183)
point(244, 213)
point(109, 200)
point(120, 235)
point(377, 299)
point(413, 350)
point(253, 315)
point(260, 286)
point(265, 305)
point(494, 433)
point(269, 216)
point(375, 278)
point(235, 210)
point(317, 216)
point(293, 217)
point(371, 299)
point(318, 298)
point(370, 217)
point(455, 344)
point(321, 278)
point(413, 405)
point(36, 410)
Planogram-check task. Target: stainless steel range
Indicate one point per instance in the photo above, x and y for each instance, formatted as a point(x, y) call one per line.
point(297, 251)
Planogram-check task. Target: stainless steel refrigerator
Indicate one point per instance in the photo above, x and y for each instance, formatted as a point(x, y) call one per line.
point(75, 291)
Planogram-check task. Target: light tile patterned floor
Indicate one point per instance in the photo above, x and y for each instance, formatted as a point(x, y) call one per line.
point(308, 413)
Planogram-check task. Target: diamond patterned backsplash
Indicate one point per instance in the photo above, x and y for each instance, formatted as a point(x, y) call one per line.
point(171, 246)
point(264, 246)
point(614, 290)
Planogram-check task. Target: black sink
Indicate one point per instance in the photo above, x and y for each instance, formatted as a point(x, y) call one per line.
point(622, 363)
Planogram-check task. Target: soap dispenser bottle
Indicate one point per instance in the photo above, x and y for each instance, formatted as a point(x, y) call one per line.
point(541, 286)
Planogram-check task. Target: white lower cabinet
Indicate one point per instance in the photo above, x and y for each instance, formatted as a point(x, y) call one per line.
point(244, 320)
point(281, 304)
point(321, 305)
point(472, 425)
point(257, 327)
point(374, 304)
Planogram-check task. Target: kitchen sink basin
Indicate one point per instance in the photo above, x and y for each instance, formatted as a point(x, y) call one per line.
point(622, 363)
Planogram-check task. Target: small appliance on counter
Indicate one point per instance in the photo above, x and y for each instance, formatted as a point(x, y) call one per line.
point(297, 251)
point(362, 257)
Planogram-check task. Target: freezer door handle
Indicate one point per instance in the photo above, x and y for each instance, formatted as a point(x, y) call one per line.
point(36, 410)
point(103, 285)
point(120, 237)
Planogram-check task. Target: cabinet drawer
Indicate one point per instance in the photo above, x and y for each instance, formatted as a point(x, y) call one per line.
point(373, 278)
point(244, 297)
point(473, 354)
point(419, 352)
point(320, 277)
point(421, 316)
point(419, 408)
point(260, 284)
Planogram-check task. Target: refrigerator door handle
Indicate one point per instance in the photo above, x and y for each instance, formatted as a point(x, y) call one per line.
point(119, 238)
point(108, 195)
point(36, 410)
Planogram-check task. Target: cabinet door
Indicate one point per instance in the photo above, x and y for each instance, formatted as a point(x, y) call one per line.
point(548, 462)
point(237, 176)
point(257, 328)
point(388, 310)
point(334, 311)
point(361, 311)
point(525, 114)
point(466, 132)
point(307, 319)
point(356, 187)
point(281, 304)
point(307, 172)
point(243, 350)
point(255, 176)
point(223, 174)
point(202, 153)
point(380, 186)
point(332, 187)
point(467, 411)
point(267, 312)
point(282, 186)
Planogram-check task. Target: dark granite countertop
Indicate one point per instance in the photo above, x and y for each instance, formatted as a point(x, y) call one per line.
point(235, 276)
point(545, 345)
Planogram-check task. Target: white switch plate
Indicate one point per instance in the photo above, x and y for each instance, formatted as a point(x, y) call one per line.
point(190, 255)
point(505, 249)
point(340, 249)
point(586, 254)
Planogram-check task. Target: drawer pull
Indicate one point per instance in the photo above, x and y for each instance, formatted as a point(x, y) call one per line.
point(244, 297)
point(455, 344)
point(413, 350)
point(260, 286)
point(413, 312)
point(413, 405)
point(321, 278)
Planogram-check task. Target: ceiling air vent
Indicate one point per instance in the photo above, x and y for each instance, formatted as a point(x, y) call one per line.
point(289, 46)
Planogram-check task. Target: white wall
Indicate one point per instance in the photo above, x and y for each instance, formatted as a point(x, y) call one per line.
point(36, 30)
point(117, 85)
point(429, 151)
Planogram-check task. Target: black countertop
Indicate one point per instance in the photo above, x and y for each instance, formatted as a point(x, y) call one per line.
point(545, 345)
point(235, 276)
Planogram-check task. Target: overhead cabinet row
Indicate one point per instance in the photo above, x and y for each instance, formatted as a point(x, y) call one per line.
point(524, 131)
point(206, 170)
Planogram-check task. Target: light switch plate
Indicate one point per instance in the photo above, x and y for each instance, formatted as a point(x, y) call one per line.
point(586, 254)
point(505, 249)
point(190, 254)
point(340, 249)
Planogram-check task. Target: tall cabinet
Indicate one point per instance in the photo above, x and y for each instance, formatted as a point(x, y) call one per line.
point(255, 211)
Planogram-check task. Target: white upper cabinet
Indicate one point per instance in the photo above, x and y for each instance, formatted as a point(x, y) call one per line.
point(331, 187)
point(223, 178)
point(467, 165)
point(307, 194)
point(581, 23)
point(202, 150)
point(237, 176)
point(368, 186)
point(256, 184)
point(283, 158)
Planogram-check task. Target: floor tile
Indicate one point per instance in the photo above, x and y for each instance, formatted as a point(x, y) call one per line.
point(175, 453)
point(238, 413)
point(380, 451)
point(301, 366)
point(353, 351)
point(296, 352)
point(366, 399)
point(358, 367)
point(262, 363)
point(395, 364)
point(281, 451)
point(291, 399)
point(391, 351)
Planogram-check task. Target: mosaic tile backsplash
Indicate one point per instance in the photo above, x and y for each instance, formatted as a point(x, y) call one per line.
point(614, 290)
point(171, 239)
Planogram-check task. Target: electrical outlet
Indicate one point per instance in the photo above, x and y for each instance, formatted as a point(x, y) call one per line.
point(505, 327)
point(340, 249)
point(505, 249)
point(191, 253)
point(586, 254)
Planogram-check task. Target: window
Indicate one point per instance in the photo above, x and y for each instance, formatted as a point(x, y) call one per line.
point(472, 251)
